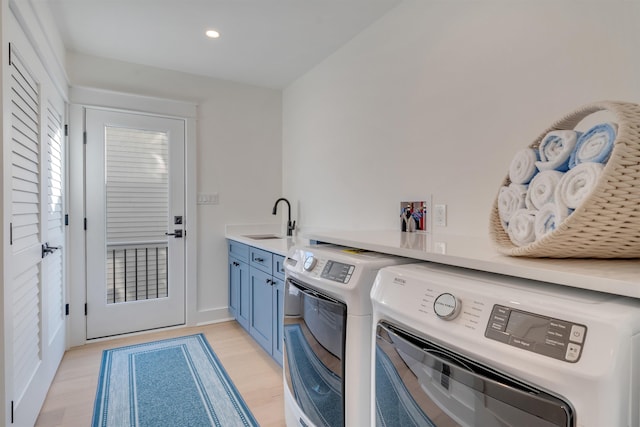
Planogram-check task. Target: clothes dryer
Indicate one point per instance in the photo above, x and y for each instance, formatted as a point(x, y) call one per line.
point(456, 347)
point(327, 334)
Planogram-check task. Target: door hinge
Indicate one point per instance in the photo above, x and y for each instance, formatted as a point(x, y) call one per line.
point(66, 130)
point(85, 223)
point(84, 137)
point(11, 233)
point(66, 309)
point(66, 219)
point(12, 412)
point(85, 308)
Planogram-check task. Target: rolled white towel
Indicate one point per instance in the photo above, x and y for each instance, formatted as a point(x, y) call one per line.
point(542, 188)
point(548, 218)
point(523, 166)
point(510, 199)
point(521, 228)
point(577, 184)
point(555, 150)
point(595, 145)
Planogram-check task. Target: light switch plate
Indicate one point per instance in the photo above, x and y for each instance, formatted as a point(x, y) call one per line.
point(440, 215)
point(208, 199)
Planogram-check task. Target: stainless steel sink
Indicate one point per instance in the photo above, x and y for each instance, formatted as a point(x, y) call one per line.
point(263, 236)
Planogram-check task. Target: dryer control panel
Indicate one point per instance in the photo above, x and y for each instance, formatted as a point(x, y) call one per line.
point(548, 336)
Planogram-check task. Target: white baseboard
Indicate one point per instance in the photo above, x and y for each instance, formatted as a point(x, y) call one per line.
point(214, 315)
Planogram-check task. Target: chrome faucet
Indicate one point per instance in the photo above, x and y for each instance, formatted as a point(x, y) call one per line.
point(290, 225)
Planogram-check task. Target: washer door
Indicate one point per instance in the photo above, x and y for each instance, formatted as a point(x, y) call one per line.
point(423, 384)
point(314, 338)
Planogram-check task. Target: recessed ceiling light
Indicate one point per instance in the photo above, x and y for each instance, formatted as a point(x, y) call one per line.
point(212, 34)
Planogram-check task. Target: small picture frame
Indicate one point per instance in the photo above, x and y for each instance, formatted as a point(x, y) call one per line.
point(414, 216)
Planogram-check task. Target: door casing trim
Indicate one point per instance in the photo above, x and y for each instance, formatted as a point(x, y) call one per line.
point(81, 97)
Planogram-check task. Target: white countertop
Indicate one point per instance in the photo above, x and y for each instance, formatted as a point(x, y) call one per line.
point(620, 277)
point(279, 245)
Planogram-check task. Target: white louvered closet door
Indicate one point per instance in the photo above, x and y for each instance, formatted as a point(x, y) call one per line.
point(135, 197)
point(35, 307)
point(54, 232)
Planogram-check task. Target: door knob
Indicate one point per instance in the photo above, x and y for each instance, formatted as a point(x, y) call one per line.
point(46, 249)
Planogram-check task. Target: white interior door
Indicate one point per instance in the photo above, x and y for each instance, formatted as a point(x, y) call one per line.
point(34, 273)
point(135, 222)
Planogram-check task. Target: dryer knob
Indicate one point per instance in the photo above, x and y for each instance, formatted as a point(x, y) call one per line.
point(309, 263)
point(447, 306)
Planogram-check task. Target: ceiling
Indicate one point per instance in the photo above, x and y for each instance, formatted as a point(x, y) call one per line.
point(268, 43)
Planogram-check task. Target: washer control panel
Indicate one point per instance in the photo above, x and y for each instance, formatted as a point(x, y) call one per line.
point(309, 263)
point(337, 271)
point(446, 306)
point(548, 336)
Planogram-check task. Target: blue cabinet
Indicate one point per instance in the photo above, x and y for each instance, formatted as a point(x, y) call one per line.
point(261, 259)
point(278, 307)
point(278, 319)
point(239, 283)
point(278, 266)
point(261, 318)
point(256, 294)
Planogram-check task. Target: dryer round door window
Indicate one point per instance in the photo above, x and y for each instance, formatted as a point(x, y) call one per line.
point(446, 306)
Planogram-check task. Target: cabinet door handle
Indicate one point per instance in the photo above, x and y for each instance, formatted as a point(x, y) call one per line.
point(259, 259)
point(235, 264)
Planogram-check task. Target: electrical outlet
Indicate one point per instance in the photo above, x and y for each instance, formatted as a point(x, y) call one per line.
point(440, 215)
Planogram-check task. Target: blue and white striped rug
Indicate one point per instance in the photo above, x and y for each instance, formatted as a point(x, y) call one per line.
point(173, 382)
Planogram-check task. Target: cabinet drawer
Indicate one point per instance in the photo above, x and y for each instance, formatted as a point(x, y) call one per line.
point(260, 259)
point(278, 266)
point(239, 250)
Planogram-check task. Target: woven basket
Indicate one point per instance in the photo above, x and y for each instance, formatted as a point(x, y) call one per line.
point(607, 223)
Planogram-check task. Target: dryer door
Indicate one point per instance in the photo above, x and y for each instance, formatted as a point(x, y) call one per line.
point(423, 384)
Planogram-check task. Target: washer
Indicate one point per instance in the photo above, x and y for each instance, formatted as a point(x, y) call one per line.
point(327, 334)
point(456, 347)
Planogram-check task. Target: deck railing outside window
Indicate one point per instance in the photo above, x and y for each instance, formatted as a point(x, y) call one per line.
point(136, 272)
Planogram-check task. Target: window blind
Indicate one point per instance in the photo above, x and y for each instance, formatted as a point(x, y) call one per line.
point(137, 185)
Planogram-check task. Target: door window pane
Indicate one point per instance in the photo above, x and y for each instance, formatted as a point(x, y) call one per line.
point(137, 208)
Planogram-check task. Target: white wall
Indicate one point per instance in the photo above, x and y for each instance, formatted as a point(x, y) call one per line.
point(437, 96)
point(238, 155)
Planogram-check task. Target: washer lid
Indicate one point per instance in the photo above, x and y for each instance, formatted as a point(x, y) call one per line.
point(346, 274)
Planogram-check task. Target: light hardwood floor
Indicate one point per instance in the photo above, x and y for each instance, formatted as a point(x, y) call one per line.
point(257, 377)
